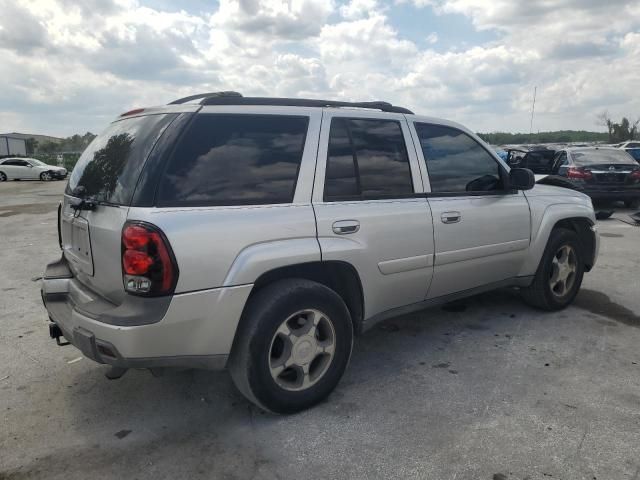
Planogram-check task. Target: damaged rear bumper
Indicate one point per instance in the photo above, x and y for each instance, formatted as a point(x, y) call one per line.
point(192, 330)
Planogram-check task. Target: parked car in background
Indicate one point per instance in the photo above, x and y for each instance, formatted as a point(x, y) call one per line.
point(263, 234)
point(603, 173)
point(538, 160)
point(632, 148)
point(29, 169)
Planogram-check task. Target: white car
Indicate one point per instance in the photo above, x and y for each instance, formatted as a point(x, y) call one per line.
point(29, 169)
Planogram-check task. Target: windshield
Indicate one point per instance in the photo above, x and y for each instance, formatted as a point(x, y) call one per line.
point(33, 161)
point(109, 168)
point(594, 157)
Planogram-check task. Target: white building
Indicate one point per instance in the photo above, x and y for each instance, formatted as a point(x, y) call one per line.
point(12, 146)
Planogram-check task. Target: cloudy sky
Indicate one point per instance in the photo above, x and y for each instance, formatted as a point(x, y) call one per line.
point(71, 66)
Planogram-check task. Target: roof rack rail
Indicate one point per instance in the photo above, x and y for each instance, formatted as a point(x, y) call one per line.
point(205, 95)
point(301, 102)
point(235, 98)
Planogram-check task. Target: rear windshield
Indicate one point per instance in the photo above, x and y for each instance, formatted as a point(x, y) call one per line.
point(235, 159)
point(109, 168)
point(594, 157)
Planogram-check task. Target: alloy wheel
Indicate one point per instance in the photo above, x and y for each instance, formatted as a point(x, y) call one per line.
point(564, 267)
point(302, 350)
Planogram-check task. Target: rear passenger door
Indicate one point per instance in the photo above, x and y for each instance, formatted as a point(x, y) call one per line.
point(366, 209)
point(481, 226)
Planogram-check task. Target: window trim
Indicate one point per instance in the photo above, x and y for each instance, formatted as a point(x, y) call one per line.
point(504, 174)
point(364, 197)
point(159, 203)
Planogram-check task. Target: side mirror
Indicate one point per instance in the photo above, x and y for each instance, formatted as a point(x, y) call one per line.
point(521, 179)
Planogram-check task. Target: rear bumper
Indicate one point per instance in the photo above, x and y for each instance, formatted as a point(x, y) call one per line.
point(195, 330)
point(613, 194)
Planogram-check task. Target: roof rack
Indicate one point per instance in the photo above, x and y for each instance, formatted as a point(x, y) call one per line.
point(235, 98)
point(205, 95)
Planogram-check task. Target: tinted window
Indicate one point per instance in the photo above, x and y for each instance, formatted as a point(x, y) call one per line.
point(367, 159)
point(593, 157)
point(456, 162)
point(236, 159)
point(539, 161)
point(109, 168)
point(16, 163)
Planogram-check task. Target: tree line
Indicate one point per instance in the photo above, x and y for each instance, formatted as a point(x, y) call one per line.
point(617, 132)
point(74, 143)
point(561, 136)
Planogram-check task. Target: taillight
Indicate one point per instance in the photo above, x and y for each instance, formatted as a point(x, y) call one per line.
point(635, 175)
point(579, 173)
point(148, 264)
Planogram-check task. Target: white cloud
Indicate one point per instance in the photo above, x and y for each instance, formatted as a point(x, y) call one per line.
point(356, 9)
point(70, 66)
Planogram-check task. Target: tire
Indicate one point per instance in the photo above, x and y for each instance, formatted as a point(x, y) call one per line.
point(3, 177)
point(273, 333)
point(46, 176)
point(633, 203)
point(547, 293)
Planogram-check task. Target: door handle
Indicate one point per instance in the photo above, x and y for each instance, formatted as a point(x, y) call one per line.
point(343, 227)
point(451, 217)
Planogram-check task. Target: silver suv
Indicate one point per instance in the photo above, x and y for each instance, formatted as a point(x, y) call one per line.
point(263, 234)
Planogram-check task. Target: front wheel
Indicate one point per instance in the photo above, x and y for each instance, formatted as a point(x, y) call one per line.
point(292, 347)
point(3, 177)
point(633, 203)
point(46, 176)
point(559, 273)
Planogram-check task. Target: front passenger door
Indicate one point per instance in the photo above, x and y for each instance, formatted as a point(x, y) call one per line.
point(23, 169)
point(481, 227)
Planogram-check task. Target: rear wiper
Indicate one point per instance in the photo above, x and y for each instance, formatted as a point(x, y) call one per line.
point(78, 204)
point(81, 201)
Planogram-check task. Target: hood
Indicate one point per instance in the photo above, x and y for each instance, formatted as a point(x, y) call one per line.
point(560, 194)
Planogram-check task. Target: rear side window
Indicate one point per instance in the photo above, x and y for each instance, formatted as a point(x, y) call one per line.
point(109, 168)
point(234, 159)
point(367, 159)
point(456, 162)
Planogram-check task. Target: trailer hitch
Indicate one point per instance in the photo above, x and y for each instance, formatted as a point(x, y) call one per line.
point(56, 332)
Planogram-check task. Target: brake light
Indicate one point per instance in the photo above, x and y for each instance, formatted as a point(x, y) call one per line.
point(148, 264)
point(132, 112)
point(635, 175)
point(579, 173)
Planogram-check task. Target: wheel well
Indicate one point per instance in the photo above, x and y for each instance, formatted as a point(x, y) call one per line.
point(582, 227)
point(341, 277)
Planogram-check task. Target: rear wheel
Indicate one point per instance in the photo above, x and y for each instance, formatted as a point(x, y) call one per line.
point(46, 176)
point(3, 177)
point(559, 274)
point(292, 347)
point(633, 203)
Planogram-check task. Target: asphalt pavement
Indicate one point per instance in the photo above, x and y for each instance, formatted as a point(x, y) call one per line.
point(486, 388)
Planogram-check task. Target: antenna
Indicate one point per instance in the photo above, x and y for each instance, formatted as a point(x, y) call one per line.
point(533, 108)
